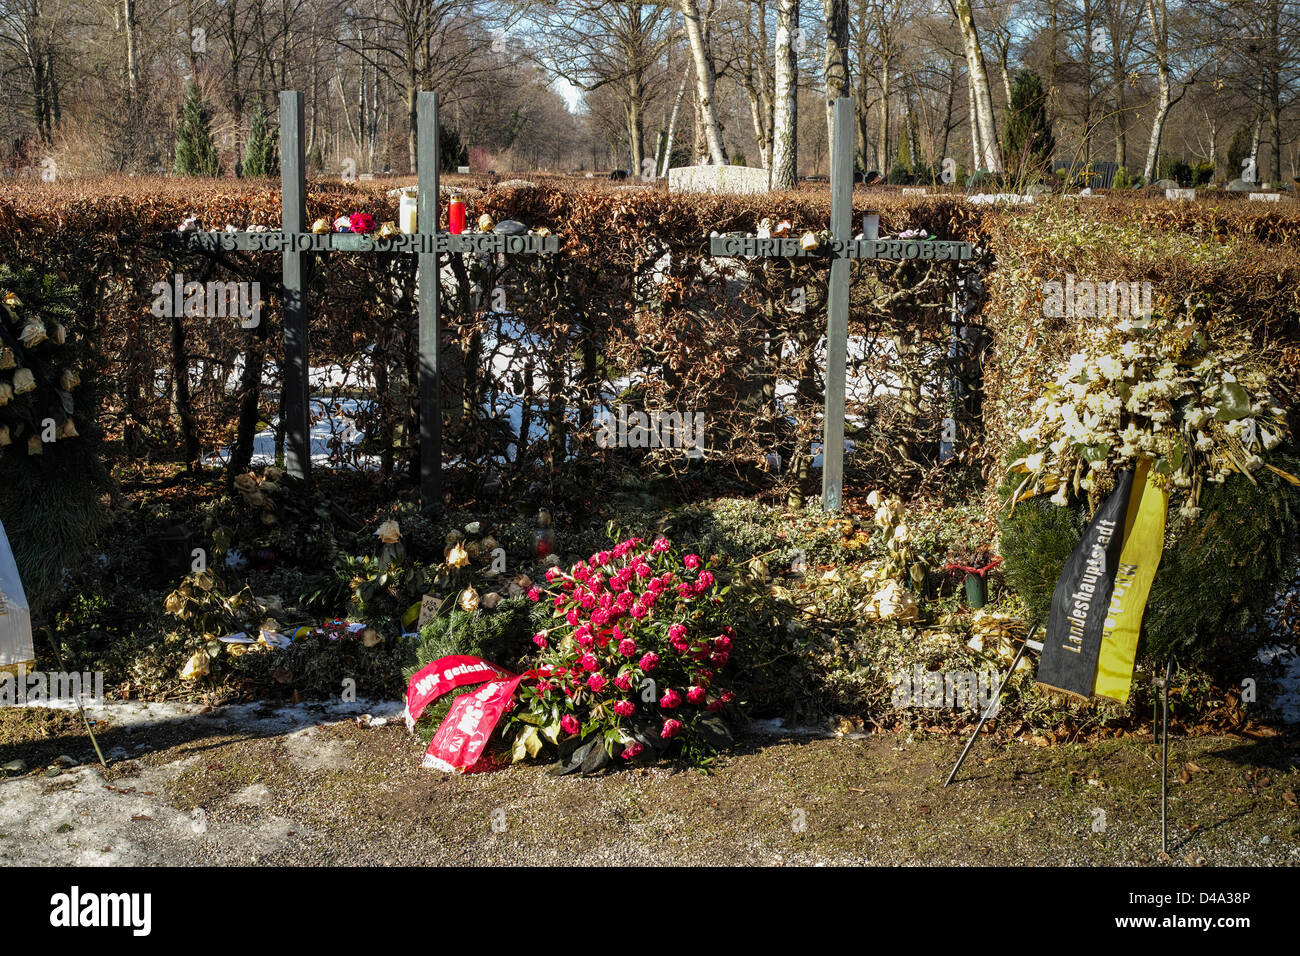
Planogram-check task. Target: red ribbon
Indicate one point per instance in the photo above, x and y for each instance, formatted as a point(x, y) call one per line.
point(469, 723)
point(980, 571)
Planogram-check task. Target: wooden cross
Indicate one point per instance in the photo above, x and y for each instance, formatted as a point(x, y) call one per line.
point(296, 243)
point(840, 250)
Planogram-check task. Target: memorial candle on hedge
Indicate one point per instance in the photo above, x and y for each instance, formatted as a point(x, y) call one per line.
point(543, 537)
point(456, 214)
point(406, 212)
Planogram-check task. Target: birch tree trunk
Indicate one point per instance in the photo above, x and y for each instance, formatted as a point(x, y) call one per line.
point(979, 79)
point(836, 59)
point(705, 80)
point(785, 143)
point(1158, 22)
point(132, 54)
point(882, 135)
point(667, 161)
point(976, 152)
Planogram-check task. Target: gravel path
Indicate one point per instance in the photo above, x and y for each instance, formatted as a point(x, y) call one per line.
point(300, 786)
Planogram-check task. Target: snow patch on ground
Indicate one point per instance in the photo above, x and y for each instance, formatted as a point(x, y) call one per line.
point(78, 818)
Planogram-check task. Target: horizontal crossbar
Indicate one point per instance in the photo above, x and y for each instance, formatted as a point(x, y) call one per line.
point(890, 249)
point(483, 243)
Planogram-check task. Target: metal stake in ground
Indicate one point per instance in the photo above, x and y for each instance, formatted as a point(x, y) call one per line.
point(839, 250)
point(1164, 760)
point(296, 244)
point(993, 704)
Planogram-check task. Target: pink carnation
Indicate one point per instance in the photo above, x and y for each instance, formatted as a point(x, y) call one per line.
point(649, 661)
point(540, 640)
point(623, 681)
point(632, 749)
point(695, 695)
point(670, 699)
point(692, 561)
point(671, 729)
point(588, 662)
point(569, 724)
point(534, 594)
point(361, 222)
point(624, 708)
point(627, 647)
point(661, 545)
point(597, 682)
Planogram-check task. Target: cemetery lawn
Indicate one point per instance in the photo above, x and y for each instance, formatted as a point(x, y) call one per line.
point(205, 789)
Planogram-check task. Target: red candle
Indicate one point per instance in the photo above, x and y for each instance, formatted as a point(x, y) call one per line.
point(456, 215)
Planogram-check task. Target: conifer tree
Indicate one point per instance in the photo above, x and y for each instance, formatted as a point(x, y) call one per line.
point(196, 154)
point(1027, 140)
point(262, 154)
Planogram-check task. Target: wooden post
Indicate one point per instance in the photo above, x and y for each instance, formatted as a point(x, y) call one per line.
point(837, 308)
point(430, 386)
point(293, 192)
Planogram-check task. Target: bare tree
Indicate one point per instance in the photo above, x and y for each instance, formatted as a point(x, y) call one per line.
point(979, 79)
point(785, 128)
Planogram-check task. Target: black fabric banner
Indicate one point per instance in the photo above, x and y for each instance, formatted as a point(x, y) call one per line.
point(1082, 597)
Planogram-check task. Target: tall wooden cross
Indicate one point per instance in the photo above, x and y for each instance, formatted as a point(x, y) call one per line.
point(296, 243)
point(840, 250)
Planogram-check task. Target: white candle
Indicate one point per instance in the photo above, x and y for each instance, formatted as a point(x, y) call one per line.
point(406, 213)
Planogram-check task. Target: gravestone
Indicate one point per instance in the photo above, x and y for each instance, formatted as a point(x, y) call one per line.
point(1180, 193)
point(1240, 186)
point(840, 249)
point(1265, 197)
point(717, 179)
point(297, 244)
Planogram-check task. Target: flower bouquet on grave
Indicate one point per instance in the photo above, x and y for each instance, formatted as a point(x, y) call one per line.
point(901, 572)
point(1144, 417)
point(1197, 411)
point(630, 667)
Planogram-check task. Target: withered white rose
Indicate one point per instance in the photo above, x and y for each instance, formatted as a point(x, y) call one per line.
point(469, 600)
point(389, 532)
point(33, 334)
point(24, 381)
point(69, 380)
point(35, 446)
point(7, 358)
point(67, 430)
point(198, 666)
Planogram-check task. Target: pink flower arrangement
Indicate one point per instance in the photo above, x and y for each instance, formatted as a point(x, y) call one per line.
point(628, 644)
point(361, 222)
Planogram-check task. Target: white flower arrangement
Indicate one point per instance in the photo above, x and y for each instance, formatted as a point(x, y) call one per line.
point(1200, 410)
